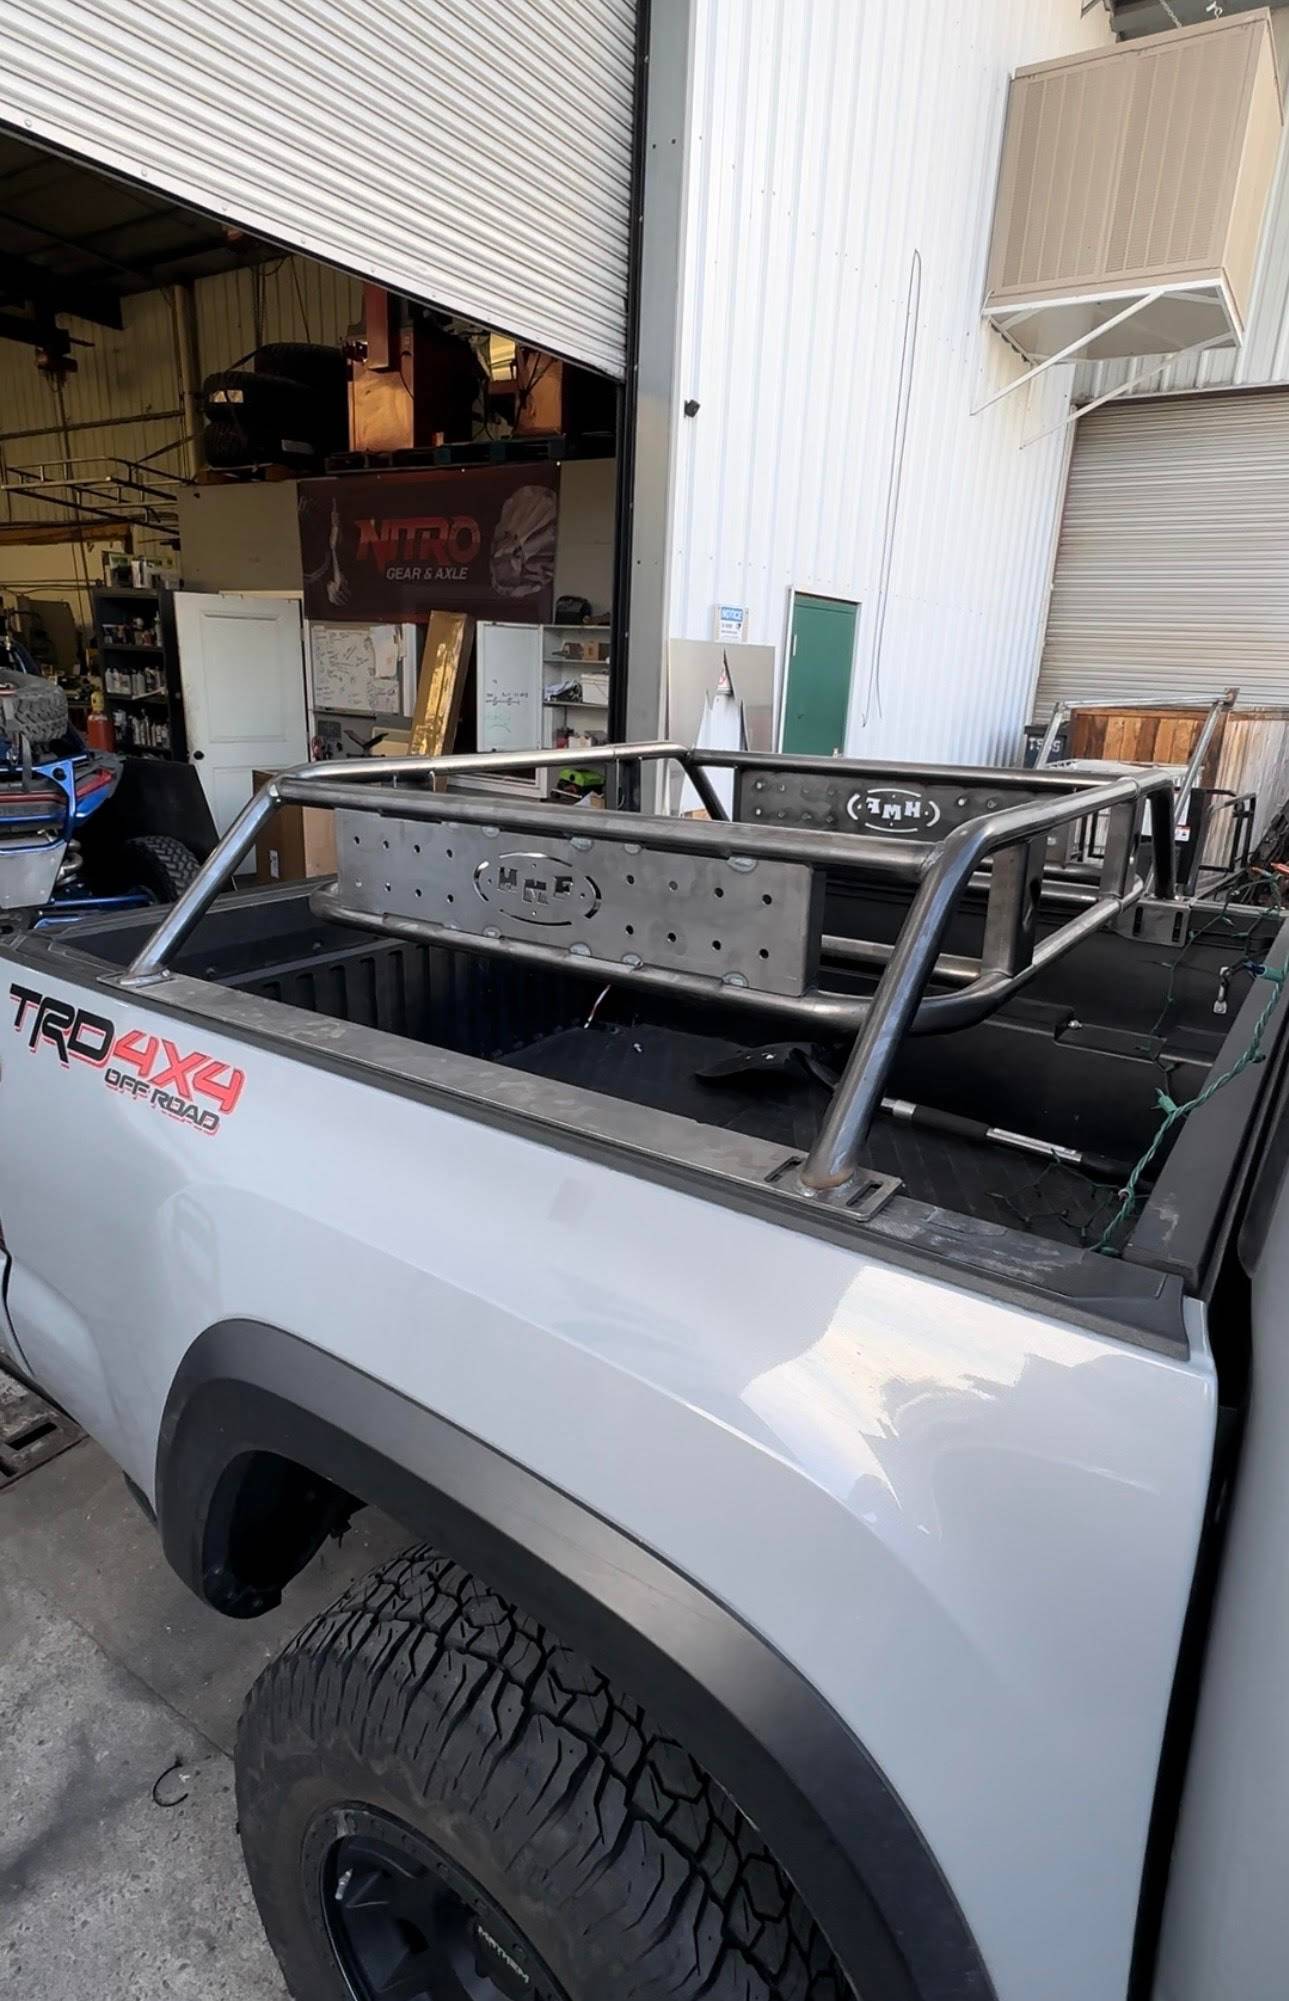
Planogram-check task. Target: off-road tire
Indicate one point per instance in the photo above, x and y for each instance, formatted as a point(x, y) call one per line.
point(224, 445)
point(160, 864)
point(31, 706)
point(228, 447)
point(424, 1696)
point(305, 362)
point(260, 402)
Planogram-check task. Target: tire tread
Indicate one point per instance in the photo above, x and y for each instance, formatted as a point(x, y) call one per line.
point(420, 1664)
point(168, 863)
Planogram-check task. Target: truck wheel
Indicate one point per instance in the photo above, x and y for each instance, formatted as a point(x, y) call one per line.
point(31, 706)
point(158, 863)
point(439, 1802)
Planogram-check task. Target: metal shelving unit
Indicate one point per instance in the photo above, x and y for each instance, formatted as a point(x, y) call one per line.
point(580, 715)
point(138, 655)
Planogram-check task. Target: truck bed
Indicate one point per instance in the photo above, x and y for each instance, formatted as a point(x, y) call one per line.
point(1045, 1067)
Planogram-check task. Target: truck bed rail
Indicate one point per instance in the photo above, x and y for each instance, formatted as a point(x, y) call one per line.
point(633, 898)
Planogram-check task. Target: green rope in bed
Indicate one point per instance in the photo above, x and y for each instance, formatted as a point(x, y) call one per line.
point(1175, 1113)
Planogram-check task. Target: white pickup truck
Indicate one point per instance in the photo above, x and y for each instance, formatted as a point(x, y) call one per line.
point(840, 1400)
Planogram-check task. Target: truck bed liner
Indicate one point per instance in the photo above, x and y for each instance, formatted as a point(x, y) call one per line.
point(1035, 1067)
point(669, 1070)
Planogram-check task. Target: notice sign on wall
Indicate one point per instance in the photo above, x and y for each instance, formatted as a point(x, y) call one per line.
point(386, 547)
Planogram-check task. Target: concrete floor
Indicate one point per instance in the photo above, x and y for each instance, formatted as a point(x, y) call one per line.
point(110, 1671)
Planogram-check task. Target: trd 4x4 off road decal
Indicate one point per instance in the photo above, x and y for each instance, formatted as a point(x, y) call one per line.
point(149, 1068)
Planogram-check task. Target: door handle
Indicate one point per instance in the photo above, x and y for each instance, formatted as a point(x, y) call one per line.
point(197, 756)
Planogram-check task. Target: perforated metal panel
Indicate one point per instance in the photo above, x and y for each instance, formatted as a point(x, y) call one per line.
point(747, 922)
point(920, 809)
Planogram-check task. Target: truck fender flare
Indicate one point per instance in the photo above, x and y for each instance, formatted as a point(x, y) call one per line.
point(245, 1392)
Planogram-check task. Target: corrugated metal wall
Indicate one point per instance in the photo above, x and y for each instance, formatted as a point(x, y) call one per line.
point(1264, 355)
point(842, 173)
point(124, 399)
point(122, 402)
point(290, 299)
point(1172, 574)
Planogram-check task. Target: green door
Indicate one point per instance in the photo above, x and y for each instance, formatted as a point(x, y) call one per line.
point(821, 653)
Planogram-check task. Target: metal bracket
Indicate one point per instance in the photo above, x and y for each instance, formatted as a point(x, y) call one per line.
point(864, 1195)
point(895, 801)
point(1159, 921)
point(1066, 353)
point(31, 1432)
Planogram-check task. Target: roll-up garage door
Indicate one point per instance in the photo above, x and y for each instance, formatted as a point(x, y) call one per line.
point(476, 156)
point(1172, 571)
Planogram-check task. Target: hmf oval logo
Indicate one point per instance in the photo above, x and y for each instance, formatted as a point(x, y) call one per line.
point(892, 809)
point(536, 888)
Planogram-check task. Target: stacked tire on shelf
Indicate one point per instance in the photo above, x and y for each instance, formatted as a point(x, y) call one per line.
point(288, 408)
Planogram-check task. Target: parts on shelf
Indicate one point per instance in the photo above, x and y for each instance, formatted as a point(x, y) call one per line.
point(134, 682)
point(139, 667)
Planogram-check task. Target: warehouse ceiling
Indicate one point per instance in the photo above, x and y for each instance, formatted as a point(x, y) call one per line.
point(73, 241)
point(1151, 17)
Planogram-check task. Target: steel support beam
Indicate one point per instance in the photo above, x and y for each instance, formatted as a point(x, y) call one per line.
point(50, 290)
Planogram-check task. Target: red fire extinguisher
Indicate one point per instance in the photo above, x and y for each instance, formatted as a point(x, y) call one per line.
point(99, 733)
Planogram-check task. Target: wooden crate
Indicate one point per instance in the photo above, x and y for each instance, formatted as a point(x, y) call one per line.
point(1145, 736)
point(1255, 758)
point(1249, 753)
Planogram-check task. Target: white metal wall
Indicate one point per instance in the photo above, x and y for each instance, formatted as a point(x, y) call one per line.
point(841, 179)
point(124, 399)
point(478, 157)
point(1172, 573)
point(122, 402)
point(118, 375)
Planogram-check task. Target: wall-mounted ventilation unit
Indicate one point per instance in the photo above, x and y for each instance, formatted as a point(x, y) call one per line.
point(1132, 191)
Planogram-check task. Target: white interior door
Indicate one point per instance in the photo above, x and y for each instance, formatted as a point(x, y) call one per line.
point(242, 664)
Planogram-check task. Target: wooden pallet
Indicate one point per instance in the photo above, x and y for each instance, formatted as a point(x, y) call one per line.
point(1248, 754)
point(1144, 736)
point(477, 452)
point(244, 475)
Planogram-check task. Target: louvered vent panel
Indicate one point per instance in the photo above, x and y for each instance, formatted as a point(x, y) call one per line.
point(1134, 169)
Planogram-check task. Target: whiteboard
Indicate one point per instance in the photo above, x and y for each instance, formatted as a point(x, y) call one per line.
point(510, 687)
point(358, 667)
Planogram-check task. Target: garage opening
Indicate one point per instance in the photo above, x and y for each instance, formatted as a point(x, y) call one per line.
point(254, 509)
point(1172, 585)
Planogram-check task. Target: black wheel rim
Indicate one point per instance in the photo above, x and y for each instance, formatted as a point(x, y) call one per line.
point(407, 1924)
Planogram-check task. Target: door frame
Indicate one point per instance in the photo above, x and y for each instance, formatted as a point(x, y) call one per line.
point(294, 597)
point(796, 591)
